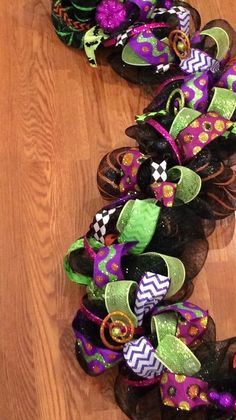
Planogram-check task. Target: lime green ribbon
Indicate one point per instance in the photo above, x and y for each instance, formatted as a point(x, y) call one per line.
point(221, 38)
point(137, 222)
point(77, 277)
point(171, 351)
point(188, 183)
point(117, 298)
point(92, 39)
point(185, 117)
point(223, 102)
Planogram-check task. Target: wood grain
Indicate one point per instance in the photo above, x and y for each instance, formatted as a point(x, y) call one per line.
point(58, 117)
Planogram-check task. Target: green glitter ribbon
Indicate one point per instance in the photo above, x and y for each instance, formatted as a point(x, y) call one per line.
point(221, 38)
point(77, 277)
point(175, 271)
point(164, 324)
point(188, 183)
point(223, 102)
point(137, 222)
point(185, 117)
point(117, 297)
point(171, 351)
point(177, 357)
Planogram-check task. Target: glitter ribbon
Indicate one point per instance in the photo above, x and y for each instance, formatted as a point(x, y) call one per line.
point(107, 263)
point(97, 359)
point(198, 60)
point(228, 77)
point(183, 392)
point(134, 227)
point(171, 351)
point(165, 192)
point(131, 162)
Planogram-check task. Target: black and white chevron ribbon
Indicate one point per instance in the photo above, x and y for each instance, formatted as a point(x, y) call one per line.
point(182, 14)
point(199, 61)
point(141, 357)
point(151, 290)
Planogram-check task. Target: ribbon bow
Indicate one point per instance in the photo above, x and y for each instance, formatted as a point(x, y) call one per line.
point(173, 335)
point(198, 60)
point(130, 165)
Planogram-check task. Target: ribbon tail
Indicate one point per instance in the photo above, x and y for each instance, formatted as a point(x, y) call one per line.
point(92, 39)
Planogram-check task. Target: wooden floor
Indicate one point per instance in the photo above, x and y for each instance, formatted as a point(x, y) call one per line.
point(58, 117)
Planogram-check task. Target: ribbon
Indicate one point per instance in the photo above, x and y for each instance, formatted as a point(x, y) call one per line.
point(151, 290)
point(134, 227)
point(223, 102)
point(198, 60)
point(133, 30)
point(193, 131)
point(165, 192)
point(182, 14)
point(183, 392)
point(130, 165)
point(196, 90)
point(99, 225)
point(77, 277)
point(195, 320)
point(228, 77)
point(201, 132)
point(97, 359)
point(145, 49)
point(107, 263)
point(92, 39)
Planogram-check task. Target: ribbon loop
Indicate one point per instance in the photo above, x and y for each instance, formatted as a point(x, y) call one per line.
point(107, 263)
point(141, 357)
point(134, 227)
point(151, 290)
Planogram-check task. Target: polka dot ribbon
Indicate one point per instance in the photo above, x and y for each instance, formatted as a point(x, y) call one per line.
point(183, 392)
point(200, 133)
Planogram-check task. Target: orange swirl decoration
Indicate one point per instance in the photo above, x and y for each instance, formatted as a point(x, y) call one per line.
point(121, 330)
point(180, 43)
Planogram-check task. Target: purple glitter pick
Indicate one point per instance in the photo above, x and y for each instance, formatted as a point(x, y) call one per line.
point(110, 15)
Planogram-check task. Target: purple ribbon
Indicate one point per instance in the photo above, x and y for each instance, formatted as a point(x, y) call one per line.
point(183, 392)
point(228, 77)
point(200, 133)
point(194, 323)
point(130, 165)
point(97, 359)
point(107, 263)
